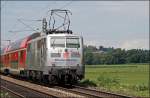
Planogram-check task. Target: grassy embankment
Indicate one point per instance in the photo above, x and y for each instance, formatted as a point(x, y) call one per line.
point(131, 79)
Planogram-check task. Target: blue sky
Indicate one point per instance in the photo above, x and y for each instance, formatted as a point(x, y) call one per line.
point(119, 24)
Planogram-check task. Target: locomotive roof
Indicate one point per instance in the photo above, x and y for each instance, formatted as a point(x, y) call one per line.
point(21, 43)
point(63, 35)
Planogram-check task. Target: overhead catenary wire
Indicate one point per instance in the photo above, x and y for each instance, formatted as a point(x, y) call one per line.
point(26, 24)
point(19, 31)
point(16, 23)
point(4, 44)
point(47, 7)
point(66, 5)
point(35, 20)
point(21, 20)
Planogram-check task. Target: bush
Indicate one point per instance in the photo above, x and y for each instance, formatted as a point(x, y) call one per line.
point(88, 82)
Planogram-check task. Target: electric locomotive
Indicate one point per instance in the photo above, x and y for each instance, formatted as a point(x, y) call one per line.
point(54, 56)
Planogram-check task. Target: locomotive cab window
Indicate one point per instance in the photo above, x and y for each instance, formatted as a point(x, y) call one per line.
point(72, 43)
point(68, 42)
point(58, 42)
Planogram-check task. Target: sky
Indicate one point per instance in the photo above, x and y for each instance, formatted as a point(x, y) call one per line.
point(118, 24)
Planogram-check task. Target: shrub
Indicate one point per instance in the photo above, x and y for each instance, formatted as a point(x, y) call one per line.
point(140, 87)
point(88, 82)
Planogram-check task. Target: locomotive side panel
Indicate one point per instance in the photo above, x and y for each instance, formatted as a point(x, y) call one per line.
point(36, 54)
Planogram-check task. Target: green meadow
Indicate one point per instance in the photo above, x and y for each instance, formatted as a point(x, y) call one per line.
point(129, 79)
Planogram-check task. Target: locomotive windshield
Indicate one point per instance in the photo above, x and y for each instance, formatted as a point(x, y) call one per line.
point(72, 43)
point(58, 42)
point(61, 41)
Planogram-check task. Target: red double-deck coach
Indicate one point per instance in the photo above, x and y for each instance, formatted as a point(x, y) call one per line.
point(13, 57)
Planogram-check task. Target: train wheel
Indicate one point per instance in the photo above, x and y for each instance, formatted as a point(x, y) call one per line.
point(52, 79)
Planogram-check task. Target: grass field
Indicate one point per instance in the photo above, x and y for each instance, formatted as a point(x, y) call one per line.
point(131, 79)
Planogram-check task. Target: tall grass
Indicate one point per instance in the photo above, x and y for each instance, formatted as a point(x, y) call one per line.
point(106, 81)
point(111, 82)
point(129, 79)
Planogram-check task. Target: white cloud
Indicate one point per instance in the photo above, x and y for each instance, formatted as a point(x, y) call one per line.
point(135, 44)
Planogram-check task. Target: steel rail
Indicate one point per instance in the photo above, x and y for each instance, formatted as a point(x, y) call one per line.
point(46, 87)
point(106, 94)
point(87, 95)
point(88, 92)
point(15, 93)
point(92, 93)
point(36, 92)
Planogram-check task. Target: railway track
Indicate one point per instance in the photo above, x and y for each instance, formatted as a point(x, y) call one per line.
point(100, 94)
point(23, 92)
point(58, 91)
point(30, 90)
point(92, 93)
point(11, 93)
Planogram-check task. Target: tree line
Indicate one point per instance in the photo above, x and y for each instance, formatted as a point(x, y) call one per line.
point(103, 55)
